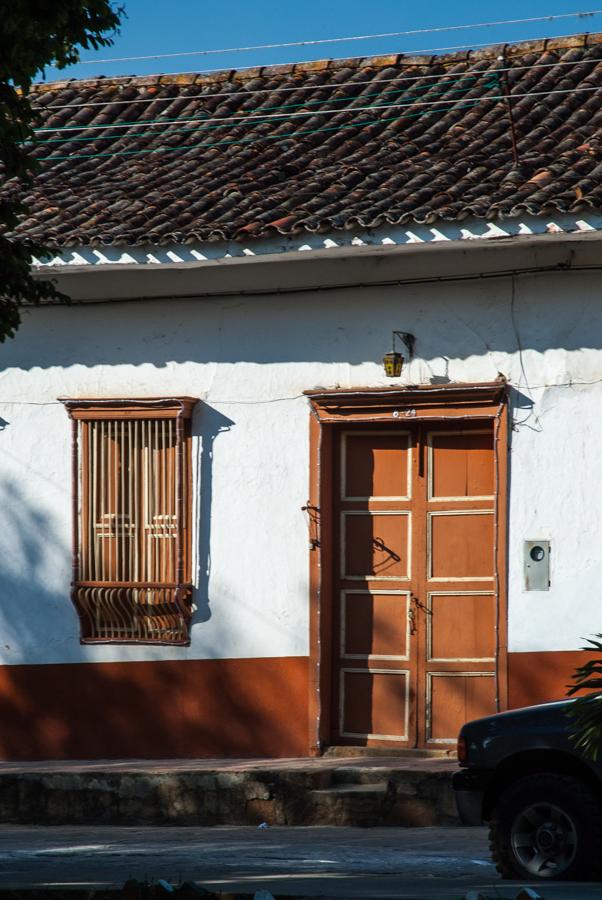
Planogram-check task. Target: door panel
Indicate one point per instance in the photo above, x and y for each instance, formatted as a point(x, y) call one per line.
point(455, 698)
point(414, 603)
point(375, 465)
point(374, 625)
point(374, 704)
point(376, 544)
point(461, 465)
point(461, 626)
point(461, 545)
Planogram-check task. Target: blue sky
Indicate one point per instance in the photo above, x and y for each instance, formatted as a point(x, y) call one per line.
point(157, 26)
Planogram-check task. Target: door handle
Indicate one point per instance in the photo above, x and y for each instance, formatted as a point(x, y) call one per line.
point(420, 605)
point(412, 620)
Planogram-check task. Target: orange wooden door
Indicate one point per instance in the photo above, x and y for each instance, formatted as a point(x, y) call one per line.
point(373, 638)
point(413, 602)
point(456, 594)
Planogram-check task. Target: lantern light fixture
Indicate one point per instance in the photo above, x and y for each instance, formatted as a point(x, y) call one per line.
point(393, 360)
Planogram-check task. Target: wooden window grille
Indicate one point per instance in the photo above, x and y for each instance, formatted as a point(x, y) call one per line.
point(132, 520)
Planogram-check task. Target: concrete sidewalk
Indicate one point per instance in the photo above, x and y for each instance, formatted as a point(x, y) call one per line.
point(358, 790)
point(402, 761)
point(400, 864)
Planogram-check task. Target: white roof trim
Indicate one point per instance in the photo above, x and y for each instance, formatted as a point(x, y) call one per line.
point(390, 235)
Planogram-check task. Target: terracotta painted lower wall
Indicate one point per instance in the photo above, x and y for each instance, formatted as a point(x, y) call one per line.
point(153, 710)
point(202, 708)
point(537, 677)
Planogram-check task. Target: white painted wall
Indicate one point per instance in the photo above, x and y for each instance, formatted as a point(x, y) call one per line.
point(250, 359)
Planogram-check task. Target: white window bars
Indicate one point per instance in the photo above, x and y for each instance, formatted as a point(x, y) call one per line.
point(131, 512)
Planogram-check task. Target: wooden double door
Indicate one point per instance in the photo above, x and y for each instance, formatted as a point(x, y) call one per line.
point(414, 602)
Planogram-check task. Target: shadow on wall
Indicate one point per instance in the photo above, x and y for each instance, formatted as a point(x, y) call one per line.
point(351, 325)
point(207, 424)
point(156, 709)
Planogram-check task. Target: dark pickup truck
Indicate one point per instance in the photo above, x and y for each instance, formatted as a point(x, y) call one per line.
point(521, 773)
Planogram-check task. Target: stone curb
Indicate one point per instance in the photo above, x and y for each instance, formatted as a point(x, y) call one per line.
point(329, 796)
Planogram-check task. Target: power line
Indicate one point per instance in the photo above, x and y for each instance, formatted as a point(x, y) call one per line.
point(113, 79)
point(286, 116)
point(465, 104)
point(259, 114)
point(268, 137)
point(216, 401)
point(333, 112)
point(453, 79)
point(301, 87)
point(321, 41)
point(555, 269)
point(244, 95)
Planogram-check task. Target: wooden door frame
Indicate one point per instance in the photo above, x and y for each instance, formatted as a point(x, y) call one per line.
point(487, 402)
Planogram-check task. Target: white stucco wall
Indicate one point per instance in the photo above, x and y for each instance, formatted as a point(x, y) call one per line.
point(249, 360)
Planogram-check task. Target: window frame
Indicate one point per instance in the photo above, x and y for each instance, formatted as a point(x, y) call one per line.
point(179, 410)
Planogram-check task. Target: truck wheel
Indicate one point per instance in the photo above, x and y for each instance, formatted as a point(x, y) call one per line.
point(547, 826)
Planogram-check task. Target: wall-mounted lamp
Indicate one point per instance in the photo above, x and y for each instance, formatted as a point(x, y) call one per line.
point(393, 361)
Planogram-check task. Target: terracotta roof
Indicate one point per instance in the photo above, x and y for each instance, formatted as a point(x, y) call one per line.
point(320, 146)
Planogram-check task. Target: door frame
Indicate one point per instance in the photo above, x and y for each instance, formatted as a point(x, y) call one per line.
point(487, 402)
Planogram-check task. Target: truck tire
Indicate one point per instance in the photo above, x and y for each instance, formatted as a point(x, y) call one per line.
point(547, 826)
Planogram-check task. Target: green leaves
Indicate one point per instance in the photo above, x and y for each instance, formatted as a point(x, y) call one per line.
point(34, 34)
point(586, 712)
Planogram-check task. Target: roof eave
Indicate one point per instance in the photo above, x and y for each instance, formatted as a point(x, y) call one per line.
point(315, 270)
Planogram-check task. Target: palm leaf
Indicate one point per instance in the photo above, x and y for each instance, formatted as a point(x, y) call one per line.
point(585, 712)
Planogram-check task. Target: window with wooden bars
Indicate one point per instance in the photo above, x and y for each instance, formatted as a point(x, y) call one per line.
point(131, 520)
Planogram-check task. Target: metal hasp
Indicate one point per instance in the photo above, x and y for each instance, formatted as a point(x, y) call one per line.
point(537, 565)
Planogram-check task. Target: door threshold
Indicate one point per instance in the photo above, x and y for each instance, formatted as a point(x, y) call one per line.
point(344, 752)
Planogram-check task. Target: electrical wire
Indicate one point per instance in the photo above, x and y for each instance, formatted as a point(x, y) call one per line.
point(295, 134)
point(114, 79)
point(268, 137)
point(555, 269)
point(436, 279)
point(254, 117)
point(301, 87)
point(341, 40)
point(218, 402)
point(260, 111)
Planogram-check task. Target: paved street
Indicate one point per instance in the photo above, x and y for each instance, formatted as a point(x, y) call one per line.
point(419, 863)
